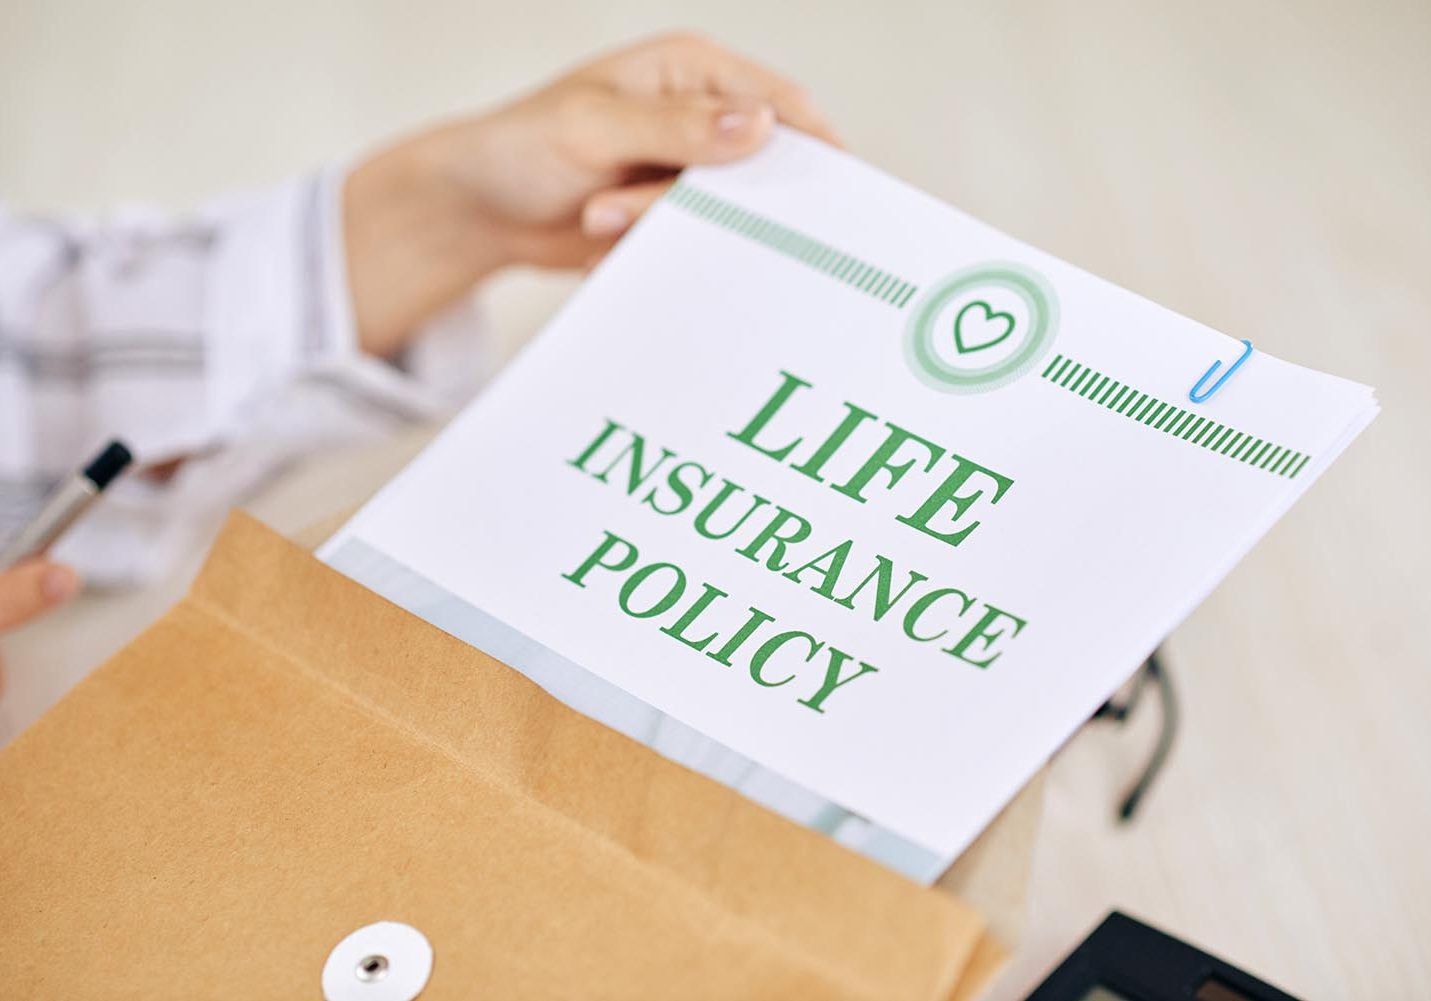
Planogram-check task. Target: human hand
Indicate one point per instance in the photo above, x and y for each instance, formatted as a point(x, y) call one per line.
point(31, 588)
point(551, 179)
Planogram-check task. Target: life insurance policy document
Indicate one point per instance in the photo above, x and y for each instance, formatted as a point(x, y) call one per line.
point(845, 499)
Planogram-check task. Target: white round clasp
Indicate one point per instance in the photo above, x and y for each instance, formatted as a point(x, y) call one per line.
point(386, 961)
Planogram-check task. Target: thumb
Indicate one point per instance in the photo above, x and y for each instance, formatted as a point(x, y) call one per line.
point(33, 587)
point(674, 131)
point(608, 214)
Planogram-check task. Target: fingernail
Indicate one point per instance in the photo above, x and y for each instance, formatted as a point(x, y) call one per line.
point(59, 584)
point(604, 219)
point(739, 121)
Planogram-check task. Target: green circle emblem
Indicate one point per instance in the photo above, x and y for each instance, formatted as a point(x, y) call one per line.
point(1002, 309)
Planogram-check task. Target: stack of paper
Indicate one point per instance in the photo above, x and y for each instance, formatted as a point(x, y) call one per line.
point(845, 499)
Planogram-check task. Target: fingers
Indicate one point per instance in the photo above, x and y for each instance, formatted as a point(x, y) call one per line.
point(621, 131)
point(610, 213)
point(688, 63)
point(735, 76)
point(33, 587)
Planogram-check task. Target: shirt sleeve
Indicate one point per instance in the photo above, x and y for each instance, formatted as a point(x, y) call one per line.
point(225, 339)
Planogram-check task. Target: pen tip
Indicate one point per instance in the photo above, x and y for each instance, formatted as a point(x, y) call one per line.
point(108, 464)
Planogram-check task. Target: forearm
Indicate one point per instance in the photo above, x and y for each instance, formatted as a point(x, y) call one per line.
point(415, 242)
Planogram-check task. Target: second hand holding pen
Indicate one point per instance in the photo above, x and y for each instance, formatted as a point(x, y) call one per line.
point(65, 504)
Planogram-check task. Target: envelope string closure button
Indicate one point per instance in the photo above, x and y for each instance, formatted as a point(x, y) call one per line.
point(386, 961)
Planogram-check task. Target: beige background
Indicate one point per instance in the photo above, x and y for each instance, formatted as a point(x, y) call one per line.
point(1264, 167)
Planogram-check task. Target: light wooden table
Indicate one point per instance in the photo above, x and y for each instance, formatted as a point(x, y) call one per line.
point(1262, 167)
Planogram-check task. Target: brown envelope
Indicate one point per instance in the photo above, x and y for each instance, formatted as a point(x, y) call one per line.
point(285, 757)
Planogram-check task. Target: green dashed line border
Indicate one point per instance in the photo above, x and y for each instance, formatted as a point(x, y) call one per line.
point(1128, 401)
point(1087, 383)
point(827, 260)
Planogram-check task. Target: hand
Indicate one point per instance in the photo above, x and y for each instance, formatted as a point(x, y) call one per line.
point(552, 179)
point(32, 588)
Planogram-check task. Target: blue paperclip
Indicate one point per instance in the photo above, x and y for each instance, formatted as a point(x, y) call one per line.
point(1212, 370)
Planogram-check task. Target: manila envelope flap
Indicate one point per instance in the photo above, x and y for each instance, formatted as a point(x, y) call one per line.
point(285, 757)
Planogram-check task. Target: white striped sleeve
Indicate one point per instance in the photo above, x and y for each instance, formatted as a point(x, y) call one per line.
point(225, 340)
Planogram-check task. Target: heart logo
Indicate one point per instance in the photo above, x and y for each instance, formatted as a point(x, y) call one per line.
point(977, 326)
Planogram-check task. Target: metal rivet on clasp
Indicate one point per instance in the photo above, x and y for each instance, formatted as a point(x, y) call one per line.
point(386, 961)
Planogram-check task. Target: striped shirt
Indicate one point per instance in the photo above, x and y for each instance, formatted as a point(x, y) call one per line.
point(225, 339)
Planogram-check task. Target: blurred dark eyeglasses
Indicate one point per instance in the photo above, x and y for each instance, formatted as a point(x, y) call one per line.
point(1153, 671)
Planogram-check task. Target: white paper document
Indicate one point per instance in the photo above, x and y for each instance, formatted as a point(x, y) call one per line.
point(846, 499)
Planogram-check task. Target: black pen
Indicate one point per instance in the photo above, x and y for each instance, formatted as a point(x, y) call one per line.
point(69, 500)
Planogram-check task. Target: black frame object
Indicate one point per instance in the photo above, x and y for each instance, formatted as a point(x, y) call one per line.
point(1153, 670)
point(1126, 960)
